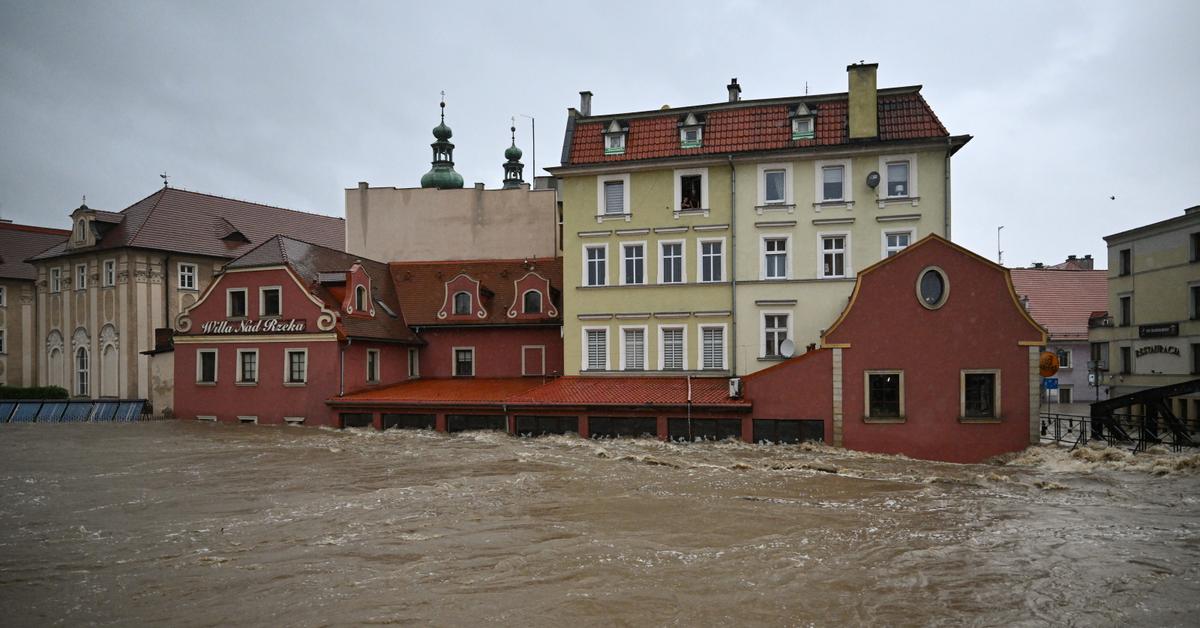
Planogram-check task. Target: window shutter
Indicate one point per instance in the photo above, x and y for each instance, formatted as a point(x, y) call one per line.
point(614, 197)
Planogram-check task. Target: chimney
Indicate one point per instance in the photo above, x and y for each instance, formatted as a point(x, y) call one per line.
point(864, 101)
point(1071, 258)
point(735, 90)
point(1038, 265)
point(1086, 262)
point(585, 104)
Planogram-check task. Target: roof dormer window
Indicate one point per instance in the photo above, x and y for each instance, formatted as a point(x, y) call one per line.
point(614, 138)
point(691, 131)
point(803, 122)
point(81, 230)
point(360, 298)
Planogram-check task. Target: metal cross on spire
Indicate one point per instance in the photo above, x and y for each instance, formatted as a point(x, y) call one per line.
point(164, 178)
point(443, 105)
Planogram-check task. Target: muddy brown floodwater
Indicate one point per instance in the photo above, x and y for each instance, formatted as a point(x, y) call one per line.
point(186, 524)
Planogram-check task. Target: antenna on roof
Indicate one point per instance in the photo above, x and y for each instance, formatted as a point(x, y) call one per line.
point(164, 178)
point(805, 88)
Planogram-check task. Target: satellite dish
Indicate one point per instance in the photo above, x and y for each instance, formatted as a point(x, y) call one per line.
point(787, 348)
point(872, 179)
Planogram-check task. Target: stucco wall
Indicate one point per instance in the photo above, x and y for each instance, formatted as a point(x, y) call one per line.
point(800, 388)
point(414, 224)
point(980, 326)
point(497, 351)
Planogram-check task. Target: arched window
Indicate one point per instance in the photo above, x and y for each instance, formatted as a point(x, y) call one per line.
point(81, 371)
point(533, 302)
point(462, 303)
point(360, 298)
point(81, 230)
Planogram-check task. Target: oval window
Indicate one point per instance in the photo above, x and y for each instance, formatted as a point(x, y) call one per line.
point(932, 288)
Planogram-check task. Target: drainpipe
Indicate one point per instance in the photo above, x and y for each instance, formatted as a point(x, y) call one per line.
point(167, 289)
point(732, 269)
point(946, 193)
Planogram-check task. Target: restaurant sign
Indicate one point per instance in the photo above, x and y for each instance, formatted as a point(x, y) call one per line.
point(251, 326)
point(1158, 330)
point(1149, 349)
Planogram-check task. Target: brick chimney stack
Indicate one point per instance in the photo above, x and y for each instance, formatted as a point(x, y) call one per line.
point(864, 101)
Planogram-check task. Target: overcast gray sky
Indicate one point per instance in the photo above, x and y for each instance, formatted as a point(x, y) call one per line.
point(290, 103)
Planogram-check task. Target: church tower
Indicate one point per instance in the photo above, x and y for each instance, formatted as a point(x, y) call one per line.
point(513, 168)
point(442, 176)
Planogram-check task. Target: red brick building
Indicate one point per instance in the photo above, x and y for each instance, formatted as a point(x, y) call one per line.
point(484, 318)
point(285, 327)
point(933, 358)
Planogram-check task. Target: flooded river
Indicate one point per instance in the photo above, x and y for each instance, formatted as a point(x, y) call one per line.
point(187, 524)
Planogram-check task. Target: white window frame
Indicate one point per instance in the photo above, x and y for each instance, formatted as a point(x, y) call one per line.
point(377, 376)
point(584, 278)
point(454, 361)
point(609, 148)
point(997, 391)
point(242, 381)
point(867, 395)
point(189, 270)
point(584, 342)
point(600, 180)
point(108, 273)
point(724, 346)
point(789, 187)
point(287, 367)
point(1067, 352)
point(55, 280)
point(679, 174)
point(229, 302)
point(262, 301)
point(454, 304)
point(682, 262)
point(847, 182)
point(200, 366)
point(696, 143)
point(884, 249)
point(3, 296)
point(804, 135)
point(787, 256)
point(700, 260)
point(3, 343)
point(683, 340)
point(81, 276)
point(414, 363)
point(847, 269)
point(625, 329)
point(362, 298)
point(624, 279)
point(525, 367)
point(541, 301)
point(83, 376)
point(762, 331)
point(884, 160)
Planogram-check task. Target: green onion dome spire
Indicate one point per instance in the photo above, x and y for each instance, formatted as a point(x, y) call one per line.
point(442, 176)
point(513, 168)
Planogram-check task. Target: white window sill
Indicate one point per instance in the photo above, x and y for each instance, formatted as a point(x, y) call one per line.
point(771, 358)
point(295, 384)
point(835, 204)
point(775, 207)
point(600, 218)
point(980, 419)
point(206, 383)
point(247, 384)
point(697, 211)
point(885, 420)
point(894, 200)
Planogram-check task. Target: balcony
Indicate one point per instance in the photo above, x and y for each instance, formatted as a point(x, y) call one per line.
point(1100, 320)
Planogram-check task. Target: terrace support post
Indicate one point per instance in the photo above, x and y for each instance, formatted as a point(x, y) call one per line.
point(663, 433)
point(377, 421)
point(439, 422)
point(837, 397)
point(748, 429)
point(584, 432)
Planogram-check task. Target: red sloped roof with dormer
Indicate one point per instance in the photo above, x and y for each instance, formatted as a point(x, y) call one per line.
point(752, 126)
point(421, 287)
point(1062, 300)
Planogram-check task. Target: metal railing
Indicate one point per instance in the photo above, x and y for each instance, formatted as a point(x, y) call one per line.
point(1136, 431)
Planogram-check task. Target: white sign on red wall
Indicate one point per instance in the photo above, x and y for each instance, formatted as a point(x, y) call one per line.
point(251, 326)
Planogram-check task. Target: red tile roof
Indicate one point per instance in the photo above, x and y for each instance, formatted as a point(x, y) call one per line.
point(20, 242)
point(564, 391)
point(420, 286)
point(444, 391)
point(753, 127)
point(309, 261)
point(1062, 300)
point(193, 223)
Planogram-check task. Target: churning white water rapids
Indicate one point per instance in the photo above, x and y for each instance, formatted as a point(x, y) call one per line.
point(186, 524)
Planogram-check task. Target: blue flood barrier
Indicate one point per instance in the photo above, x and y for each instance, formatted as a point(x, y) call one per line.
point(77, 411)
point(104, 411)
point(51, 411)
point(129, 410)
point(26, 412)
point(6, 409)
